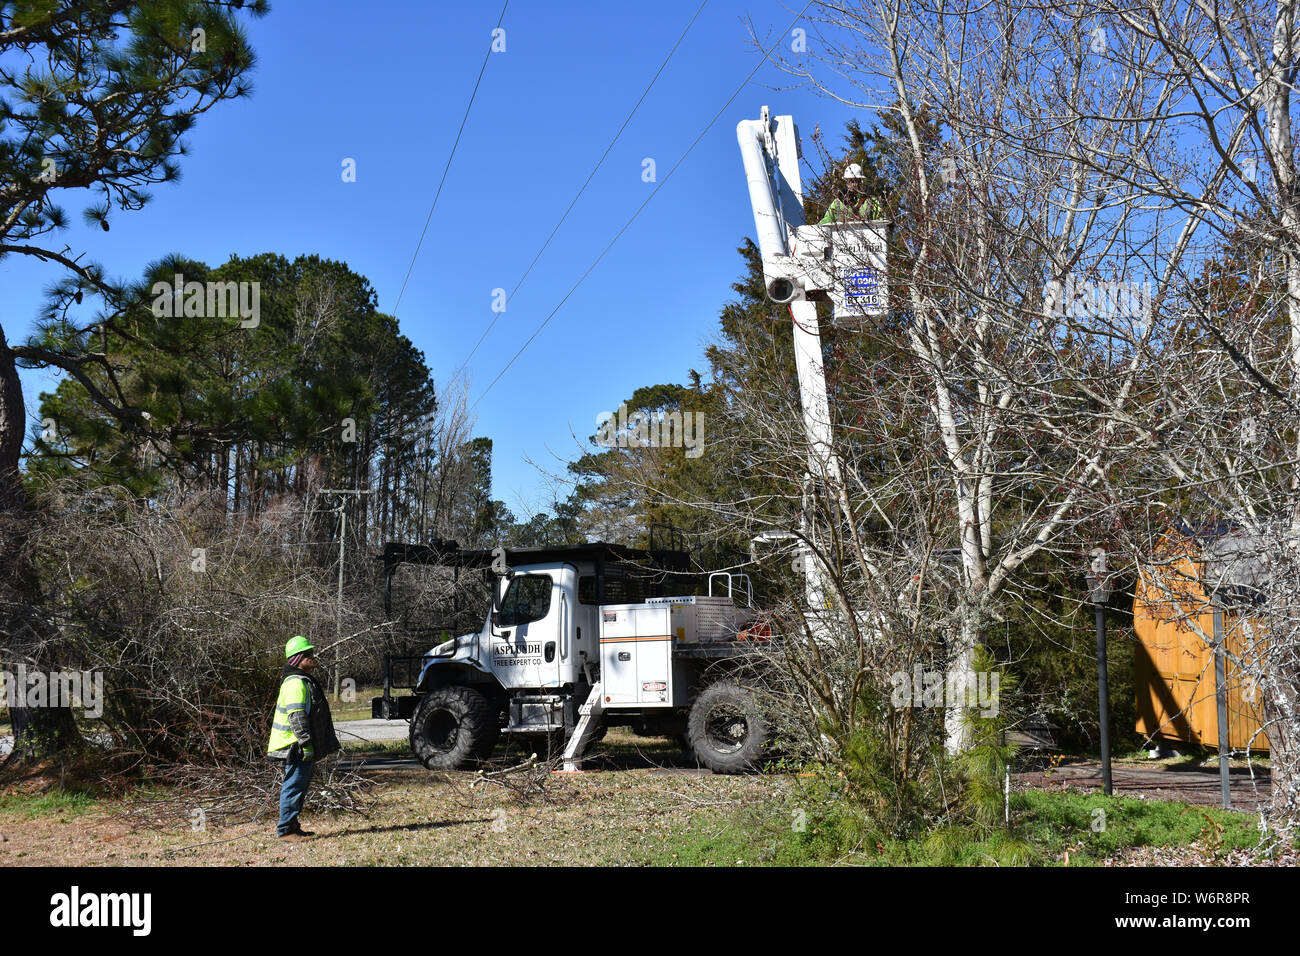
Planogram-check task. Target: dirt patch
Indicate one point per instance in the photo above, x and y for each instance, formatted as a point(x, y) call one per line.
point(1196, 854)
point(625, 817)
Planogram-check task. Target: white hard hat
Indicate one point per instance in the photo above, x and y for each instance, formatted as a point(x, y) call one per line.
point(853, 171)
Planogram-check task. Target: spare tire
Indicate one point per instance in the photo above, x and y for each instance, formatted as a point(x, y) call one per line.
point(726, 728)
point(452, 727)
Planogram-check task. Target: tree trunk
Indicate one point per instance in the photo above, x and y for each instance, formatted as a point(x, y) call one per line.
point(961, 666)
point(1279, 706)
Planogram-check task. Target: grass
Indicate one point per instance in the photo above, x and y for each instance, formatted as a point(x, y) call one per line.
point(358, 709)
point(621, 818)
point(1058, 822)
point(1048, 825)
point(626, 812)
point(377, 747)
point(33, 806)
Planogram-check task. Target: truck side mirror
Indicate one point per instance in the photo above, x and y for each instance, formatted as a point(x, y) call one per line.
point(498, 593)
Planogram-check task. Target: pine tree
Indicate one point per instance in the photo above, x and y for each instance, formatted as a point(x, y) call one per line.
point(96, 95)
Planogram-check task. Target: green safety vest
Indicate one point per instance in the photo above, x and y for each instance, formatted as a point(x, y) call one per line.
point(295, 695)
point(838, 211)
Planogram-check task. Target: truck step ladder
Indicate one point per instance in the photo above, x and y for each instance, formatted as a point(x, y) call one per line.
point(588, 721)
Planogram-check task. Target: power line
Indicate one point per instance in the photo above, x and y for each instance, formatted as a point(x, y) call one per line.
point(640, 208)
point(464, 119)
point(600, 162)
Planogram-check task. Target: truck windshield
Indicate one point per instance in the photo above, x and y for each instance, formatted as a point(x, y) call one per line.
point(528, 598)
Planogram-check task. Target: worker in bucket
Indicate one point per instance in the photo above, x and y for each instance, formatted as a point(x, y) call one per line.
point(855, 185)
point(302, 733)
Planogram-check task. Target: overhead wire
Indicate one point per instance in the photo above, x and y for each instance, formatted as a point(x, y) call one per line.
point(600, 162)
point(452, 155)
point(546, 321)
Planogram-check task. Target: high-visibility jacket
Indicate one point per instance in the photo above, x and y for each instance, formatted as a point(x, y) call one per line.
point(838, 211)
point(295, 698)
point(302, 716)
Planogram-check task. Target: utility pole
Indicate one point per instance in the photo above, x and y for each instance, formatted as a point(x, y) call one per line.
point(343, 530)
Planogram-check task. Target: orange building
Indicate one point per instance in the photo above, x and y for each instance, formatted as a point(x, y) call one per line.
point(1174, 667)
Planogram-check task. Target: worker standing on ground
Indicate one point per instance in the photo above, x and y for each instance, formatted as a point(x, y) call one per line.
point(302, 732)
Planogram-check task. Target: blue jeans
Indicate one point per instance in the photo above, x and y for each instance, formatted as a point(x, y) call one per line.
point(297, 777)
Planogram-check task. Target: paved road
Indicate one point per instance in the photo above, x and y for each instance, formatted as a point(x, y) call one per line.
point(1190, 784)
point(371, 730)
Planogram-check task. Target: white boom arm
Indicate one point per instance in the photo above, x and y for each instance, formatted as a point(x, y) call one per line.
point(845, 260)
point(770, 150)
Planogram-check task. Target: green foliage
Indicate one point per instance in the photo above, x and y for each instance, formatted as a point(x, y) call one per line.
point(974, 846)
point(980, 822)
point(106, 96)
point(1046, 638)
point(812, 827)
point(984, 766)
point(324, 390)
point(34, 806)
point(887, 768)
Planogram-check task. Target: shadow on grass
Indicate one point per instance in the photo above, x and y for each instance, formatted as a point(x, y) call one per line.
point(401, 828)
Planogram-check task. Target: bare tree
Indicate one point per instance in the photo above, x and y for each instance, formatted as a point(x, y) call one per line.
point(1024, 274)
point(1099, 291)
point(182, 610)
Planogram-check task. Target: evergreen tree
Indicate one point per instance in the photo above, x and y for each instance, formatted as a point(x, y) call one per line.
point(95, 95)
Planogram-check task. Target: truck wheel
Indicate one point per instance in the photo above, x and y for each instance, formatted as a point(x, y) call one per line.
point(726, 729)
point(452, 727)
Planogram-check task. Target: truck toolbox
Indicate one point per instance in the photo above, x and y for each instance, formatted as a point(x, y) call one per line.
point(636, 660)
point(700, 619)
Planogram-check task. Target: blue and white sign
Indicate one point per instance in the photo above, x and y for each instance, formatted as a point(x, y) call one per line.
point(862, 285)
point(847, 261)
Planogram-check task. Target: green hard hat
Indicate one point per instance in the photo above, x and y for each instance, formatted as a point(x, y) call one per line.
point(297, 644)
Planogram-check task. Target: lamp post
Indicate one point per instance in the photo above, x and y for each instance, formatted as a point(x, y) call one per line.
point(1221, 701)
point(1099, 595)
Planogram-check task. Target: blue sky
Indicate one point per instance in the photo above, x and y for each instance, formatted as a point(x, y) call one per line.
point(386, 84)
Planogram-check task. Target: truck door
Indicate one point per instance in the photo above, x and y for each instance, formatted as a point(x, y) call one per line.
point(566, 658)
point(544, 618)
point(526, 622)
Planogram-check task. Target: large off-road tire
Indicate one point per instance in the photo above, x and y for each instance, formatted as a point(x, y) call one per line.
point(453, 727)
point(726, 729)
